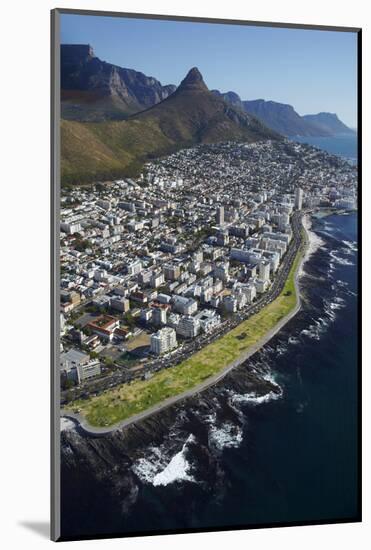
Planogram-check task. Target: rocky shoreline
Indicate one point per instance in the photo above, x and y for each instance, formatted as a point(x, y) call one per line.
point(310, 245)
point(117, 461)
point(110, 460)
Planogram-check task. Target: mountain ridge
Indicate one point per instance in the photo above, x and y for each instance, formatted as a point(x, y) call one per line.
point(191, 115)
point(93, 90)
point(329, 121)
point(283, 118)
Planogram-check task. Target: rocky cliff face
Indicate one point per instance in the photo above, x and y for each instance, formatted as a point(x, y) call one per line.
point(190, 115)
point(329, 122)
point(95, 90)
point(231, 97)
point(283, 118)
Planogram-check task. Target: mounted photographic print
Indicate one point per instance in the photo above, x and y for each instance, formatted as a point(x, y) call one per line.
point(205, 309)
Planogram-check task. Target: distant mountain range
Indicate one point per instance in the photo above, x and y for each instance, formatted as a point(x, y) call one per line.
point(191, 115)
point(114, 119)
point(329, 122)
point(284, 119)
point(93, 90)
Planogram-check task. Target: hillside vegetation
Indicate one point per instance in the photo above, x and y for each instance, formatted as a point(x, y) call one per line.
point(191, 115)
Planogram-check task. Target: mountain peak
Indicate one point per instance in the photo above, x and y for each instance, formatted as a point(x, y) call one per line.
point(193, 81)
point(76, 52)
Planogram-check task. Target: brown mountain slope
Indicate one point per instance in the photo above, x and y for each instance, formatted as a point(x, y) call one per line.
point(189, 116)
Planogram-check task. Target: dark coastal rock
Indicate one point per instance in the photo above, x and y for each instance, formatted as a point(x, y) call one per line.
point(105, 462)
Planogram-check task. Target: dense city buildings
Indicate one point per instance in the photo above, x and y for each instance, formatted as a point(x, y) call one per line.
point(157, 265)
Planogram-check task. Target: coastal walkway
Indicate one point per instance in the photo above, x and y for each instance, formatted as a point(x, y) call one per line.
point(212, 380)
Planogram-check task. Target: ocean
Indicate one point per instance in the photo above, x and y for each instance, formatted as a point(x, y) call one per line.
point(289, 458)
point(344, 145)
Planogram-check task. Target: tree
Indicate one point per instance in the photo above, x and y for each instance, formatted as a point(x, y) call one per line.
point(129, 320)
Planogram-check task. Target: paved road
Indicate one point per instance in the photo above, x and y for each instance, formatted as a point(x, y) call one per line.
point(121, 375)
point(206, 383)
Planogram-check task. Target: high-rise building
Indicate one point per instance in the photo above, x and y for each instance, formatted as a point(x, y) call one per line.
point(188, 326)
point(221, 271)
point(298, 198)
point(157, 279)
point(163, 340)
point(187, 306)
point(159, 316)
point(220, 215)
point(135, 267)
point(171, 272)
point(283, 221)
point(264, 270)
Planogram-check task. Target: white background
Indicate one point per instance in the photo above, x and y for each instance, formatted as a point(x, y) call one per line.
point(24, 298)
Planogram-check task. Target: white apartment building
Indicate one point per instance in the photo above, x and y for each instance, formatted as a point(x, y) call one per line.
point(220, 215)
point(159, 316)
point(299, 198)
point(157, 279)
point(70, 228)
point(187, 306)
point(264, 270)
point(163, 341)
point(188, 326)
point(134, 268)
point(221, 271)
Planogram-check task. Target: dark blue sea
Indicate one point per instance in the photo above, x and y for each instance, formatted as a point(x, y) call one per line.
point(295, 458)
point(343, 145)
point(287, 459)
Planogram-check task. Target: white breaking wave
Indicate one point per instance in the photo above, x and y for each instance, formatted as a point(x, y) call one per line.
point(157, 471)
point(344, 286)
point(66, 424)
point(320, 325)
point(281, 349)
point(352, 245)
point(330, 307)
point(314, 242)
point(339, 284)
point(315, 330)
point(311, 332)
point(338, 260)
point(270, 377)
point(255, 399)
point(340, 301)
point(225, 436)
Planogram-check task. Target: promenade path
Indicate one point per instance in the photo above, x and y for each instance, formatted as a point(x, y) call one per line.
point(92, 430)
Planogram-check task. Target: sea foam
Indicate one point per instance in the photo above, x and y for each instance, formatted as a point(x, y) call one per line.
point(67, 424)
point(255, 399)
point(338, 260)
point(158, 471)
point(225, 436)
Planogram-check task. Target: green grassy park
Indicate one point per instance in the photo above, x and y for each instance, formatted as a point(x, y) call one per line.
point(129, 399)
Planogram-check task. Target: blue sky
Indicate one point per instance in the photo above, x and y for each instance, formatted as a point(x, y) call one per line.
point(312, 70)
